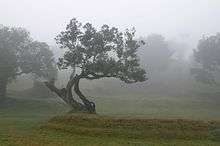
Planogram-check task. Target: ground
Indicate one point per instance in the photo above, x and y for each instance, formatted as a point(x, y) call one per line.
point(157, 121)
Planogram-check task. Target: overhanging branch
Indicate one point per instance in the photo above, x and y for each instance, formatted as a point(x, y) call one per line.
point(53, 88)
point(98, 76)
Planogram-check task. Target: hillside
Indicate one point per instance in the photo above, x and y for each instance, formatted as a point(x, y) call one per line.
point(94, 130)
point(157, 121)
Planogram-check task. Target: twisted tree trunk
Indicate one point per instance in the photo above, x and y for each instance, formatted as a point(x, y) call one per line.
point(89, 105)
point(66, 95)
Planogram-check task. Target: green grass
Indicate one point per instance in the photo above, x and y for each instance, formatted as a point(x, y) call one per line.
point(159, 107)
point(152, 121)
point(89, 130)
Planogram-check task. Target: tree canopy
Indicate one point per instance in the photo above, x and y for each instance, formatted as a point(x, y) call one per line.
point(207, 56)
point(94, 54)
point(100, 53)
point(19, 54)
point(156, 53)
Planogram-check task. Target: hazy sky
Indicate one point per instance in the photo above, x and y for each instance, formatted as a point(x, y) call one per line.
point(184, 18)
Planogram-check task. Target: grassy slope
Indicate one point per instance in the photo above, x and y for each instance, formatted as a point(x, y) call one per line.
point(160, 107)
point(22, 122)
point(88, 130)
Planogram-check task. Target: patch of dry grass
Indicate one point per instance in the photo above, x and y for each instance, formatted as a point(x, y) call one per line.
point(131, 128)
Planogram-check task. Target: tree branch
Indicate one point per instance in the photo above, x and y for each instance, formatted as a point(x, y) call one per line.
point(54, 89)
point(62, 93)
point(19, 73)
point(96, 76)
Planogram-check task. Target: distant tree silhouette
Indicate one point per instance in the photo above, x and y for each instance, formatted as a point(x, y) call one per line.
point(19, 54)
point(207, 56)
point(156, 53)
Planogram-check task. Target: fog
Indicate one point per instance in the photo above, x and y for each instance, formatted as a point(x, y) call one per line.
point(171, 29)
point(110, 72)
point(181, 23)
point(175, 19)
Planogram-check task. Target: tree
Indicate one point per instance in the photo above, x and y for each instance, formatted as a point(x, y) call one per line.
point(207, 56)
point(49, 73)
point(94, 54)
point(156, 57)
point(19, 54)
point(156, 54)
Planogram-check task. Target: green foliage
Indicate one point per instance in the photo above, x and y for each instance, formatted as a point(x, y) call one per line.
point(12, 40)
point(100, 53)
point(38, 60)
point(19, 54)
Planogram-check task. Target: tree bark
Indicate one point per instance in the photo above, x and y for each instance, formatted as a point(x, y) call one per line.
point(66, 95)
point(62, 93)
point(90, 106)
point(3, 88)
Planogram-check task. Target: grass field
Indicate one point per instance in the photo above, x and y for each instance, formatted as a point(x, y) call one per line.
point(149, 121)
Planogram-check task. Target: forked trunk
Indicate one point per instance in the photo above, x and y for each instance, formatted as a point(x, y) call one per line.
point(89, 105)
point(66, 95)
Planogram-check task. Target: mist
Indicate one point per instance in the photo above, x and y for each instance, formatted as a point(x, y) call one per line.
point(174, 18)
point(105, 72)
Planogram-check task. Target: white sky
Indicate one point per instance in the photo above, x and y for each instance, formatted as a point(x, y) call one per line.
point(171, 18)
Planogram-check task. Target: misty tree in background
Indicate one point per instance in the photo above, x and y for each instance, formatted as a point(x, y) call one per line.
point(207, 56)
point(19, 55)
point(156, 57)
point(156, 54)
point(50, 72)
point(94, 54)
